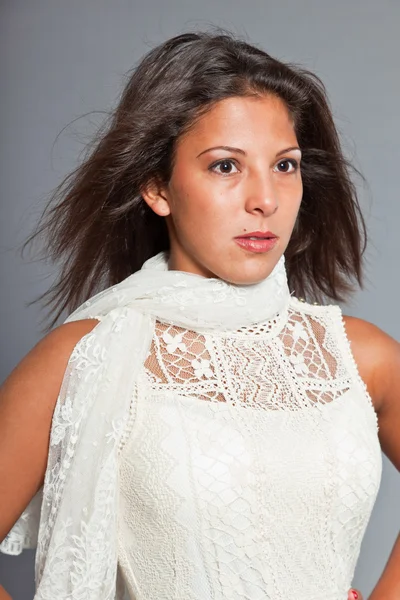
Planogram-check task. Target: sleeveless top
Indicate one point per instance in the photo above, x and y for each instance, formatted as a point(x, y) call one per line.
point(251, 463)
point(210, 441)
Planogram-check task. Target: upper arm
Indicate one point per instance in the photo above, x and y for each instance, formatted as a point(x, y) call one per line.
point(378, 359)
point(27, 402)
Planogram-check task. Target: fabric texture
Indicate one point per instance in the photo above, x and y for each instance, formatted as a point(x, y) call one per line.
point(251, 463)
point(201, 443)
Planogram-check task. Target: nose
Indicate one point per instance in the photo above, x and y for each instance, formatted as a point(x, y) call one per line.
point(261, 195)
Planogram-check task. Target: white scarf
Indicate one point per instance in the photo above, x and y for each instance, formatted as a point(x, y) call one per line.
point(77, 540)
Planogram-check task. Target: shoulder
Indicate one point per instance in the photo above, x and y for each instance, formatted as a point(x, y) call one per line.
point(43, 367)
point(377, 355)
point(37, 379)
point(58, 344)
point(68, 334)
point(27, 401)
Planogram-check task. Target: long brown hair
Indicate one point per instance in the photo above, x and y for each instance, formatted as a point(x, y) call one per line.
point(100, 229)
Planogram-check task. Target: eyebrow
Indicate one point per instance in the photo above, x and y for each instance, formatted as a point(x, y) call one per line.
point(240, 151)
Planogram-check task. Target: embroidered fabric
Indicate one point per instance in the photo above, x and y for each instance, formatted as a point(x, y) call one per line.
point(96, 416)
point(76, 554)
point(252, 463)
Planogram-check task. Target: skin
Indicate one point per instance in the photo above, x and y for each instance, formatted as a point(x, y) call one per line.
point(206, 206)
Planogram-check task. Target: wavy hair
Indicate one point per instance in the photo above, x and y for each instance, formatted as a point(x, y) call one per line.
point(98, 227)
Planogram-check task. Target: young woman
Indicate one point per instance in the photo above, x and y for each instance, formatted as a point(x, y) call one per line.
point(194, 430)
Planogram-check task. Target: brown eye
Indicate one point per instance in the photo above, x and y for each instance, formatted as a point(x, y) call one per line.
point(287, 166)
point(225, 167)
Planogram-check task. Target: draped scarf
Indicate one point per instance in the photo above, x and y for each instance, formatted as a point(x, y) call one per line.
point(73, 519)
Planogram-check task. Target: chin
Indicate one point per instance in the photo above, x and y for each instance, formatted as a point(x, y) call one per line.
point(239, 268)
point(245, 276)
point(250, 268)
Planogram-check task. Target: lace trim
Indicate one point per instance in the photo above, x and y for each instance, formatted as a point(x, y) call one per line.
point(256, 479)
point(130, 420)
point(345, 345)
point(297, 368)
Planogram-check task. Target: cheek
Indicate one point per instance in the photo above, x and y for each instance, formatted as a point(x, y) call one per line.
point(194, 204)
point(289, 216)
point(186, 194)
point(292, 206)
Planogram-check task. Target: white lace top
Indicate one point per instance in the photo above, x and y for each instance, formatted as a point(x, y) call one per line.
point(210, 441)
point(251, 464)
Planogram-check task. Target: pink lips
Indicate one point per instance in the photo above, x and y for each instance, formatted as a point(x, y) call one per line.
point(257, 241)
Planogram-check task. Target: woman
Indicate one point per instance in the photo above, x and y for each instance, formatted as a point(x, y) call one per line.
point(211, 436)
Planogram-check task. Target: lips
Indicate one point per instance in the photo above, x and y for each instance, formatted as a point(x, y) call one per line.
point(264, 235)
point(257, 241)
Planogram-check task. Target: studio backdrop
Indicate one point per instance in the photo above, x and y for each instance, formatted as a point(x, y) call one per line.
point(62, 60)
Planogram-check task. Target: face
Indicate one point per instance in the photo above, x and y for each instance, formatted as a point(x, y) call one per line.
point(235, 191)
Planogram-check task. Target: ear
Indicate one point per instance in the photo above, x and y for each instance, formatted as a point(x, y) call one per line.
point(156, 197)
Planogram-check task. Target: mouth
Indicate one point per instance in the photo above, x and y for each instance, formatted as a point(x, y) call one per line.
point(264, 235)
point(257, 241)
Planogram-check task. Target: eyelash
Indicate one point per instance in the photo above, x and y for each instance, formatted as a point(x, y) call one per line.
point(291, 161)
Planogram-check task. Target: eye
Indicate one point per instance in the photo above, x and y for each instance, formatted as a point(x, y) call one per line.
point(225, 166)
point(287, 165)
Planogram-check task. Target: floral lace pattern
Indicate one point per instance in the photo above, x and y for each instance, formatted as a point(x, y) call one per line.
point(252, 464)
point(76, 553)
point(293, 370)
point(206, 449)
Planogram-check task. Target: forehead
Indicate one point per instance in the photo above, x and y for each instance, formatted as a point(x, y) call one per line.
point(243, 121)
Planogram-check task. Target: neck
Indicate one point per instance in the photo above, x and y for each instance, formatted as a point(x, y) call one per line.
point(193, 301)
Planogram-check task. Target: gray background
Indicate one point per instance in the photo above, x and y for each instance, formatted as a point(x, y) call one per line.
point(62, 59)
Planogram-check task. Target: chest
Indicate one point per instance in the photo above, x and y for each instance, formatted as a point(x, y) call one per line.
point(240, 464)
point(296, 369)
point(253, 443)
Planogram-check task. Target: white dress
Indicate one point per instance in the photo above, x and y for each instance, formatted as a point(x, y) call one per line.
point(210, 441)
point(251, 464)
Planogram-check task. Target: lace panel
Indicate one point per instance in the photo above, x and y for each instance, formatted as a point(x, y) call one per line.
point(296, 369)
point(235, 477)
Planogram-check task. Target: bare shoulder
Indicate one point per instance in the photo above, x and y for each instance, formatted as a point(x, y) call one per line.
point(27, 402)
point(46, 362)
point(58, 344)
point(377, 355)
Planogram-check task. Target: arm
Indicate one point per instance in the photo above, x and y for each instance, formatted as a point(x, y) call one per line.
point(388, 586)
point(378, 359)
point(4, 595)
point(27, 401)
